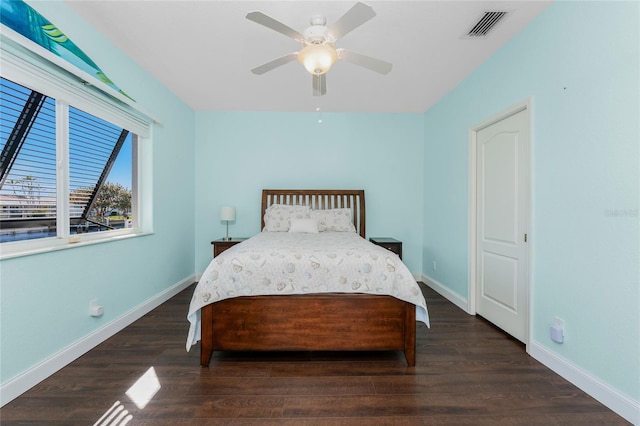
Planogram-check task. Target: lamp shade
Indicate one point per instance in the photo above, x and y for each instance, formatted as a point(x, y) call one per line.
point(318, 58)
point(228, 213)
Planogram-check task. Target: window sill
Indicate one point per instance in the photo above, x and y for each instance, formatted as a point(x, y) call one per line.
point(28, 248)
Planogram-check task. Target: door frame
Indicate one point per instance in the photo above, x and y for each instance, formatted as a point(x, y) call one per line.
point(527, 106)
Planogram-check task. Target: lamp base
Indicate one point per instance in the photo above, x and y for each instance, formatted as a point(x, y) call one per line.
point(227, 238)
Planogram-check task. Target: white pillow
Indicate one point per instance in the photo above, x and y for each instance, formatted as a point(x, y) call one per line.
point(307, 226)
point(277, 217)
point(334, 220)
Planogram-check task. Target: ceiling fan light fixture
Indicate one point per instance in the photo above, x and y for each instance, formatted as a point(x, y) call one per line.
point(318, 58)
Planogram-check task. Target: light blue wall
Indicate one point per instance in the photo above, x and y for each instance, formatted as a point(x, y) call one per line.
point(45, 298)
point(238, 154)
point(585, 231)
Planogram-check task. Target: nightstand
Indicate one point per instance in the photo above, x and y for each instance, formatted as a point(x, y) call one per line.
point(221, 245)
point(389, 243)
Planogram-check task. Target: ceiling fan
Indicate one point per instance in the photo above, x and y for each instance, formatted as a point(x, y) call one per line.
point(318, 52)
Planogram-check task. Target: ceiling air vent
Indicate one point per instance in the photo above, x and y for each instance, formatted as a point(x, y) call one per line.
point(485, 24)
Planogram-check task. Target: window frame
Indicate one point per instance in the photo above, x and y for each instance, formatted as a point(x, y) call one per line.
point(28, 69)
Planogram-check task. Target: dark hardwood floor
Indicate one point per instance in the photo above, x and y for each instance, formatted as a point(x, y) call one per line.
point(467, 373)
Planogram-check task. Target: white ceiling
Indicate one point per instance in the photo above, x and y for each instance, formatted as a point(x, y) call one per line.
point(203, 51)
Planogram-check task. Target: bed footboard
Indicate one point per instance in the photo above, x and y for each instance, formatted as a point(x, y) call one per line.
point(331, 322)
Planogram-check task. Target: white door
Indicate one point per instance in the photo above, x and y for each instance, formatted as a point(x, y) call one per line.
point(502, 184)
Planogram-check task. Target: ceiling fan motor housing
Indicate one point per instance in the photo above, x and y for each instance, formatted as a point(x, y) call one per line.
point(316, 34)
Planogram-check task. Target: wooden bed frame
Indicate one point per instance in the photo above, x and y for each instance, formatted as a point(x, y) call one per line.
point(310, 322)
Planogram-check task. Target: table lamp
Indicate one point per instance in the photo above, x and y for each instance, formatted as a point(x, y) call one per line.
point(227, 213)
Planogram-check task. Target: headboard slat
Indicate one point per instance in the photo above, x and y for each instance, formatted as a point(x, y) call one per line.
point(319, 199)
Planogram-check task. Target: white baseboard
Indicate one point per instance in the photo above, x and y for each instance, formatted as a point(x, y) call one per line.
point(445, 292)
point(21, 383)
point(619, 403)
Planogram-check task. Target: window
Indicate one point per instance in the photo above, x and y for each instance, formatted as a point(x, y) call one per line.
point(27, 162)
point(99, 168)
point(100, 186)
point(69, 160)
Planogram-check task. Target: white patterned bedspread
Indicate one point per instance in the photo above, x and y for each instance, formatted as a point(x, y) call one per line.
point(298, 263)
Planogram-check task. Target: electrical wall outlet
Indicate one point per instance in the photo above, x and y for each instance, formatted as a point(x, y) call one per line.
point(95, 310)
point(435, 265)
point(556, 331)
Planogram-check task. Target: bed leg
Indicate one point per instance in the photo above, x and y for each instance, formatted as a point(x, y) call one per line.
point(206, 335)
point(205, 355)
point(410, 334)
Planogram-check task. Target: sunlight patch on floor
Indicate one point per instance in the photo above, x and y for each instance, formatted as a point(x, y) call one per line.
point(144, 389)
point(140, 393)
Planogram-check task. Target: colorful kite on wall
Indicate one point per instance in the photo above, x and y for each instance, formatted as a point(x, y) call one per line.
point(23, 19)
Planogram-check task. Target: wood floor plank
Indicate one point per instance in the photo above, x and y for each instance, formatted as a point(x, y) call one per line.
point(451, 404)
point(499, 420)
point(284, 386)
point(467, 373)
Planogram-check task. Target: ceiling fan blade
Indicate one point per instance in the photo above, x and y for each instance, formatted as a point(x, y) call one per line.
point(271, 23)
point(365, 61)
point(356, 16)
point(275, 63)
point(319, 84)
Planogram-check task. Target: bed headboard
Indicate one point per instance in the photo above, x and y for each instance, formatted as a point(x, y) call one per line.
point(319, 199)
